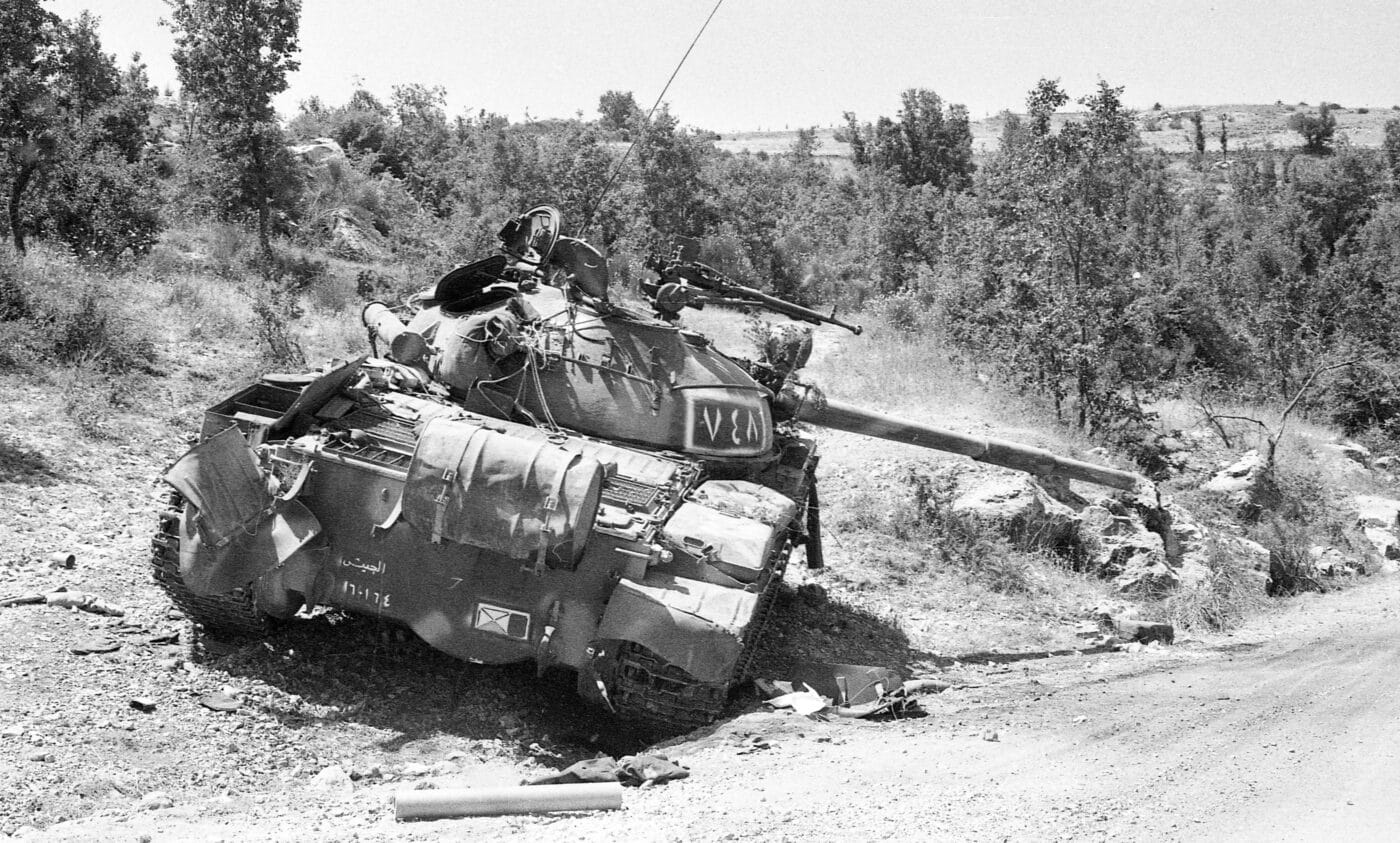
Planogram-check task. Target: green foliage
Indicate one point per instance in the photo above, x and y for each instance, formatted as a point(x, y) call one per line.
point(924, 143)
point(232, 57)
point(1390, 147)
point(100, 205)
point(1198, 132)
point(619, 111)
point(1318, 130)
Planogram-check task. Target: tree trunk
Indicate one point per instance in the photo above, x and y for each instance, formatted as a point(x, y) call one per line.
point(260, 179)
point(17, 188)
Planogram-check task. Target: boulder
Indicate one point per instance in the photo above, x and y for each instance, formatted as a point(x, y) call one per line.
point(1240, 476)
point(1376, 511)
point(1333, 562)
point(1247, 486)
point(1015, 505)
point(1384, 540)
point(356, 239)
point(317, 151)
point(1353, 451)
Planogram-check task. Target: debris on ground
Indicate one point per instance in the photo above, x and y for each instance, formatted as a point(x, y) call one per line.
point(65, 599)
point(220, 701)
point(843, 690)
point(496, 801)
point(630, 770)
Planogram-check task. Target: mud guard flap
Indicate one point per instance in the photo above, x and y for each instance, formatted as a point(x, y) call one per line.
point(691, 624)
point(233, 530)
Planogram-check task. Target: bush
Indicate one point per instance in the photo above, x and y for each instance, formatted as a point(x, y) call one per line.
point(101, 206)
point(1366, 395)
point(95, 334)
point(1230, 594)
point(1291, 568)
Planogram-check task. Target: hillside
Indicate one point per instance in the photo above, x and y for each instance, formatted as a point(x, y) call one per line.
point(1251, 127)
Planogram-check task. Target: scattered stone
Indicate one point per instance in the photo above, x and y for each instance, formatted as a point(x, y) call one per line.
point(14, 730)
point(1376, 511)
point(333, 781)
point(991, 735)
point(156, 800)
point(1355, 452)
point(1142, 631)
point(414, 769)
point(83, 600)
point(95, 645)
point(39, 755)
point(145, 704)
point(169, 664)
point(219, 701)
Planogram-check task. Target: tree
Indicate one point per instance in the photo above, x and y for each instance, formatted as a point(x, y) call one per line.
point(619, 111)
point(924, 143)
point(28, 112)
point(1198, 132)
point(1390, 146)
point(1224, 138)
point(232, 57)
point(1317, 130)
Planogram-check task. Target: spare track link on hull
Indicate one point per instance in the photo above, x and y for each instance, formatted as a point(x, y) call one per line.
point(651, 691)
point(234, 614)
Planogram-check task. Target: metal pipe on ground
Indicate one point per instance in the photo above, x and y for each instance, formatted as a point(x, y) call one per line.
point(496, 801)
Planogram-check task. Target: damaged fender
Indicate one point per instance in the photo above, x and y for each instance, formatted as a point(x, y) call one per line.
point(235, 528)
point(691, 624)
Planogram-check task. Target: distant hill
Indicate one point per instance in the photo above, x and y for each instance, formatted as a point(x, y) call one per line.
point(1250, 127)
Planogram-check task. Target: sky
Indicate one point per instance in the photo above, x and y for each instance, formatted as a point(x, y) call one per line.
point(766, 65)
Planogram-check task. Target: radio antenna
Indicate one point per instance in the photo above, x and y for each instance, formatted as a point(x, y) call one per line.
point(597, 203)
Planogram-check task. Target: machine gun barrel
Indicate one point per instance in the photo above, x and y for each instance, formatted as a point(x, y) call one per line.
point(809, 405)
point(713, 281)
point(787, 308)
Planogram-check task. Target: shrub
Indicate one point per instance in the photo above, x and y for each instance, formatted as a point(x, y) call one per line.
point(101, 206)
point(1363, 111)
point(1291, 568)
point(1227, 597)
point(96, 334)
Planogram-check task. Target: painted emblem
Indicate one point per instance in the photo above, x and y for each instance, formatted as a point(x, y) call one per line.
point(499, 620)
point(718, 425)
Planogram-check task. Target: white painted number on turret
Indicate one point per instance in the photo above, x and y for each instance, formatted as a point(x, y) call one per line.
point(737, 426)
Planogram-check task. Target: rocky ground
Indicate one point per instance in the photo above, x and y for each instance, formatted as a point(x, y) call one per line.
point(123, 727)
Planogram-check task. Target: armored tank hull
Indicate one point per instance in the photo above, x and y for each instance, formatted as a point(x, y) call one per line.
point(493, 541)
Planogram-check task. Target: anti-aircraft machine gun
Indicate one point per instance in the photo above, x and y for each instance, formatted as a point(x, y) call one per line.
point(525, 469)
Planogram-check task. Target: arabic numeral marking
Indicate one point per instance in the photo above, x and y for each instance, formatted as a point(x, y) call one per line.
point(365, 594)
point(456, 581)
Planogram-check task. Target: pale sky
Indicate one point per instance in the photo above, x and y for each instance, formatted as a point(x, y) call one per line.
point(768, 64)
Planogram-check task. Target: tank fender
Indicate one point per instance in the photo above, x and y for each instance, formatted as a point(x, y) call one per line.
point(235, 528)
point(694, 625)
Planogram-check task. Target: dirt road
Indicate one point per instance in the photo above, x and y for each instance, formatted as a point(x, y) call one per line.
point(1288, 730)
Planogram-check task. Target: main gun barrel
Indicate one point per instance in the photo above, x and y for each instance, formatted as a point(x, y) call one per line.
point(809, 405)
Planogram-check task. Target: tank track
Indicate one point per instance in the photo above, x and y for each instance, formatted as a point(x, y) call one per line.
point(656, 694)
point(233, 615)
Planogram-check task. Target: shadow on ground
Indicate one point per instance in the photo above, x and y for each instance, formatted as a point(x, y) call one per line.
point(21, 464)
point(364, 671)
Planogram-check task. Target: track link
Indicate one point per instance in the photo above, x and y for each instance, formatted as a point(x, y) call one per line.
point(651, 691)
point(232, 615)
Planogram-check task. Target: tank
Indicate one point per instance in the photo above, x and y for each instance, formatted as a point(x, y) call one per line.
point(523, 469)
